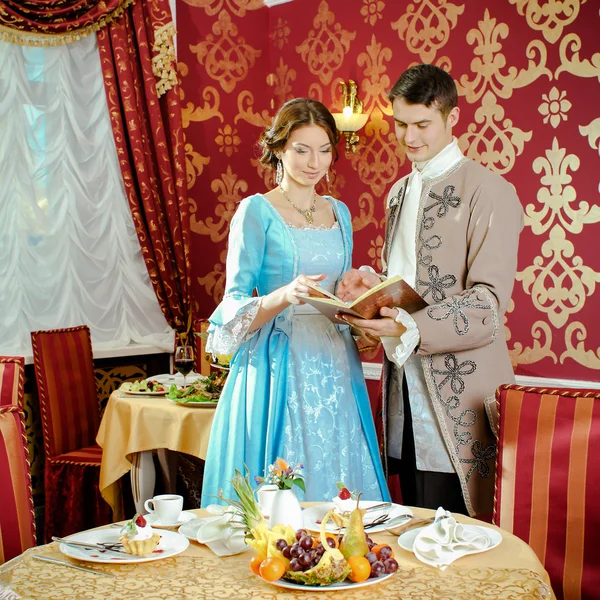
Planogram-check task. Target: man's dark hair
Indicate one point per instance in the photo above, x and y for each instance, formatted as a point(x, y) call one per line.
point(428, 85)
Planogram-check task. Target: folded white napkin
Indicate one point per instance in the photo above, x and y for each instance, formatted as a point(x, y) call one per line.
point(222, 533)
point(445, 540)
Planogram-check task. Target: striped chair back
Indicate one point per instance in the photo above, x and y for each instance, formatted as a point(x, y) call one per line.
point(17, 524)
point(11, 380)
point(548, 482)
point(64, 370)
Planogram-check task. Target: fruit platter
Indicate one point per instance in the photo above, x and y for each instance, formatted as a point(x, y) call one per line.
point(301, 559)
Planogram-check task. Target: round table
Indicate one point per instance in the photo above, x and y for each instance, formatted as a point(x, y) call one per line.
point(134, 425)
point(511, 570)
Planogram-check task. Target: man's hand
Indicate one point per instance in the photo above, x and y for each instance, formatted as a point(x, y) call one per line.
point(386, 326)
point(354, 283)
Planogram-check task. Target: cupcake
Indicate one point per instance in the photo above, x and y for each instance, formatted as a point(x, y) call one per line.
point(138, 537)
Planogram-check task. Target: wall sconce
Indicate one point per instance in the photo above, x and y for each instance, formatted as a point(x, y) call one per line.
point(352, 118)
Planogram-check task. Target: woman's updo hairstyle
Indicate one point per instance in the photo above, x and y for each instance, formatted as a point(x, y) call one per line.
point(292, 115)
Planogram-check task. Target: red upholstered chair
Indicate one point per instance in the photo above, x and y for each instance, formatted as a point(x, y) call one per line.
point(11, 380)
point(64, 369)
point(548, 482)
point(17, 524)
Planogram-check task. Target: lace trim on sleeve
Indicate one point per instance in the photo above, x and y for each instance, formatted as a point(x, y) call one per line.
point(226, 339)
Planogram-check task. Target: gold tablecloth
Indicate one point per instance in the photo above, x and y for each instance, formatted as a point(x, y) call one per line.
point(132, 424)
point(511, 570)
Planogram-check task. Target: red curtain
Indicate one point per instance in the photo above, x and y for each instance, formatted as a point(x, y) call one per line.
point(72, 18)
point(149, 137)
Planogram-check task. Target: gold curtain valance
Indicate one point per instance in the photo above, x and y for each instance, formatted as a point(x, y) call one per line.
point(56, 22)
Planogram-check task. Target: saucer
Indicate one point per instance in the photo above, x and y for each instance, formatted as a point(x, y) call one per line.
point(184, 517)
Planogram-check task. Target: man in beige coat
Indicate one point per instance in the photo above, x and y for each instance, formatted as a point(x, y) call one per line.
point(452, 233)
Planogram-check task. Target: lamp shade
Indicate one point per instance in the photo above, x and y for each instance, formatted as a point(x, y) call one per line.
point(351, 123)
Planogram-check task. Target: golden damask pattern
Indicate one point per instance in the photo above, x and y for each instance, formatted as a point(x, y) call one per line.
point(228, 140)
point(497, 143)
point(380, 157)
point(427, 28)
point(558, 287)
point(571, 43)
point(227, 58)
point(551, 17)
point(214, 282)
point(366, 215)
point(558, 196)
point(489, 62)
point(237, 7)
point(280, 34)
point(324, 49)
point(376, 83)
point(194, 164)
point(538, 351)
point(283, 78)
point(554, 107)
point(245, 103)
point(110, 379)
point(371, 11)
point(592, 131)
point(228, 190)
point(375, 252)
point(587, 358)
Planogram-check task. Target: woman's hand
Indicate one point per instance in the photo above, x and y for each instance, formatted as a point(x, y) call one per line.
point(354, 283)
point(298, 286)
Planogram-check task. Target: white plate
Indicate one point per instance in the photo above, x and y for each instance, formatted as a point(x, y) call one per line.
point(195, 404)
point(343, 585)
point(147, 393)
point(168, 380)
point(184, 517)
point(171, 543)
point(316, 513)
point(407, 539)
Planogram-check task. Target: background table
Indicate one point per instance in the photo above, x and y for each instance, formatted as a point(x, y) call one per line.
point(133, 426)
point(511, 570)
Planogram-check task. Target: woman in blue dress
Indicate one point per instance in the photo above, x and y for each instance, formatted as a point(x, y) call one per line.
point(296, 388)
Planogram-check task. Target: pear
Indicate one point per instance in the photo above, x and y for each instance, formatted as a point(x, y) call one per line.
point(354, 542)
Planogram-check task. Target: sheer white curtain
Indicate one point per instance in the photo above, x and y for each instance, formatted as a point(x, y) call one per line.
point(69, 253)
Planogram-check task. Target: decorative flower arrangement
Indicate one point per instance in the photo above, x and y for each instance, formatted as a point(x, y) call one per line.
point(284, 476)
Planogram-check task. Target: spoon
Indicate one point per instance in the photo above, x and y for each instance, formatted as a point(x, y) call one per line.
point(398, 525)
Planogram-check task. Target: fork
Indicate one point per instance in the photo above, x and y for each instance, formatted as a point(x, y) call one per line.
point(100, 546)
point(378, 521)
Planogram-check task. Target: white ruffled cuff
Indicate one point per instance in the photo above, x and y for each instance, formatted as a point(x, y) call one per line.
point(226, 339)
point(399, 349)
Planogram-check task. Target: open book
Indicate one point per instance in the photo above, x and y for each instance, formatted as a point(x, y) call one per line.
point(393, 292)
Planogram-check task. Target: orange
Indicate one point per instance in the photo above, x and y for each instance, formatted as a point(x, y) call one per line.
point(361, 569)
point(377, 549)
point(272, 568)
point(255, 562)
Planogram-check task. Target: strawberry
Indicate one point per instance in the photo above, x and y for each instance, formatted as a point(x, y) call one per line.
point(140, 521)
point(344, 494)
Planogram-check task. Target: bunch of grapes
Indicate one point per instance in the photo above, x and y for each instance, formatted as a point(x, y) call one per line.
point(304, 553)
point(381, 561)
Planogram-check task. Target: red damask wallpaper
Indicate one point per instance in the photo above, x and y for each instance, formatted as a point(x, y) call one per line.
point(528, 73)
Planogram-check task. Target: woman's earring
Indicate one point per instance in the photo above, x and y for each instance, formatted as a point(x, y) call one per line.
point(327, 177)
point(279, 174)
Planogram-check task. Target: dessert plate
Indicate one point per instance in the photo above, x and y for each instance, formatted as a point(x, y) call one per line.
point(407, 539)
point(190, 529)
point(184, 517)
point(314, 515)
point(171, 543)
point(343, 585)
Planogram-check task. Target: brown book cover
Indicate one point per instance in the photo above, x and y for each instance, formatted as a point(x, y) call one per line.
point(393, 292)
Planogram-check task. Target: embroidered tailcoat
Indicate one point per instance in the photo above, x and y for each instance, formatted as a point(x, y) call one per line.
point(467, 235)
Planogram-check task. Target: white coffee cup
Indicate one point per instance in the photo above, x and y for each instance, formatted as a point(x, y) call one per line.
point(165, 507)
point(265, 495)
